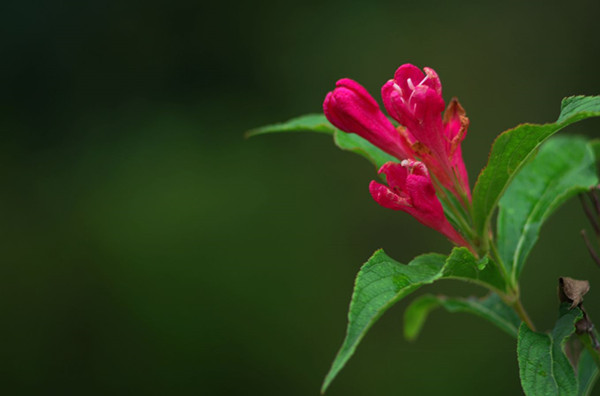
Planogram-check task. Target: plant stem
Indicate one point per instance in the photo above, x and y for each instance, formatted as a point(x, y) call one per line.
point(518, 307)
point(514, 288)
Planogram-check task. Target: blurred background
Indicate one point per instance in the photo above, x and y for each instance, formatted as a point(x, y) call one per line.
point(149, 249)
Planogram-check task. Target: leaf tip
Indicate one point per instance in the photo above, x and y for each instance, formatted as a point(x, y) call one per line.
point(323, 388)
point(328, 379)
point(256, 131)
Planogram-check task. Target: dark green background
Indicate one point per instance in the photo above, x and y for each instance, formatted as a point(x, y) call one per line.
point(149, 249)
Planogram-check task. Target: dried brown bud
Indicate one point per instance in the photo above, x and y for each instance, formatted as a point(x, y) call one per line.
point(572, 290)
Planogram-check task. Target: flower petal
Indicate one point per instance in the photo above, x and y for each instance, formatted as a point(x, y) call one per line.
point(411, 190)
point(350, 108)
point(408, 77)
point(387, 198)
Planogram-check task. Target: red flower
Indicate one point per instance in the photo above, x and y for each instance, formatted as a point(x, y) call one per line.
point(411, 190)
point(414, 99)
point(424, 142)
point(350, 108)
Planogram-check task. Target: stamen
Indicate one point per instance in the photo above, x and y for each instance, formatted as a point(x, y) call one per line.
point(397, 88)
point(412, 88)
point(410, 100)
point(413, 166)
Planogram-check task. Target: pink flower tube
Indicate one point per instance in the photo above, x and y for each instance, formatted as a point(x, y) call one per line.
point(411, 190)
point(414, 99)
point(350, 108)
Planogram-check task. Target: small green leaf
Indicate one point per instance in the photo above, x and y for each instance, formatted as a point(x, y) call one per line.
point(461, 264)
point(491, 308)
point(318, 123)
point(305, 123)
point(587, 373)
point(513, 148)
point(543, 366)
point(382, 281)
point(589, 360)
point(564, 167)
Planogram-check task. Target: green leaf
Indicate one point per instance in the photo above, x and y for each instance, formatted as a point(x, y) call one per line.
point(543, 366)
point(513, 148)
point(382, 281)
point(588, 362)
point(305, 123)
point(318, 123)
point(595, 145)
point(575, 108)
point(491, 308)
point(587, 373)
point(564, 167)
point(356, 144)
point(461, 264)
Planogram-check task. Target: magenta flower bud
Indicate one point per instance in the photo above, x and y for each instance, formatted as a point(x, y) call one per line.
point(351, 108)
point(411, 190)
point(396, 105)
point(415, 100)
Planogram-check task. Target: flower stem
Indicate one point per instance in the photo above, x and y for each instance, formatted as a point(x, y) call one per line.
point(457, 214)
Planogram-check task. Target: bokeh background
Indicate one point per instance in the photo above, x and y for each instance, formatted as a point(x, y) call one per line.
point(147, 248)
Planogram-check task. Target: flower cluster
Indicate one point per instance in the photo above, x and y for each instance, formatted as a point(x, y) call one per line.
point(425, 143)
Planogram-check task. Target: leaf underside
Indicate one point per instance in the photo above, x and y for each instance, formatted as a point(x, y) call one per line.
point(587, 373)
point(491, 308)
point(564, 167)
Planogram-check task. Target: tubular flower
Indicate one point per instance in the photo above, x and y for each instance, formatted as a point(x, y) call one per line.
point(414, 99)
point(352, 109)
point(410, 189)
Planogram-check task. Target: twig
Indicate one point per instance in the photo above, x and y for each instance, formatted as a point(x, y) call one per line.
point(523, 314)
point(590, 248)
point(593, 220)
point(594, 195)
